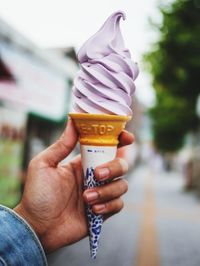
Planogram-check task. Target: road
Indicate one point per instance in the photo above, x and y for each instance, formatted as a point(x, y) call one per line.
point(159, 226)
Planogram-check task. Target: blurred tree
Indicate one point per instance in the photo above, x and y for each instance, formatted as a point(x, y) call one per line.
point(175, 65)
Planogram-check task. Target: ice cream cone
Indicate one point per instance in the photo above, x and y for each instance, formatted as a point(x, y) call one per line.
point(98, 136)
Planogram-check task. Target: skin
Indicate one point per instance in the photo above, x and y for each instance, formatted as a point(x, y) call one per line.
point(53, 199)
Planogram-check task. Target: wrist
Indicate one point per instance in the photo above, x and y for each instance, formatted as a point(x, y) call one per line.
point(22, 212)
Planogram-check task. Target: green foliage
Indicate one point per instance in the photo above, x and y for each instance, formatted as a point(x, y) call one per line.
point(175, 65)
point(171, 120)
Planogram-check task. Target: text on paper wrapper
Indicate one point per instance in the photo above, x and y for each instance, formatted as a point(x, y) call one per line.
point(96, 129)
point(96, 151)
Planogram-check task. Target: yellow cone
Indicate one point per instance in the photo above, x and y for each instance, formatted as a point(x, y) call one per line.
point(99, 129)
point(98, 136)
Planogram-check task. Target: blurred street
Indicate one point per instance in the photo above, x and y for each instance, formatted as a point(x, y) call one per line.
point(158, 226)
point(48, 70)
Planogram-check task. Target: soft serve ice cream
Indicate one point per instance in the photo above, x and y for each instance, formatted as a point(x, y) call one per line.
point(105, 82)
point(102, 91)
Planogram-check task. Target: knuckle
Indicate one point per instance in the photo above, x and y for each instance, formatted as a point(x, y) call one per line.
point(122, 186)
point(113, 195)
point(119, 205)
point(62, 144)
point(32, 163)
point(114, 206)
point(101, 192)
point(36, 162)
point(125, 184)
point(106, 192)
point(124, 165)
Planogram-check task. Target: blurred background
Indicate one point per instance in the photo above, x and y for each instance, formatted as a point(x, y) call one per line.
point(160, 224)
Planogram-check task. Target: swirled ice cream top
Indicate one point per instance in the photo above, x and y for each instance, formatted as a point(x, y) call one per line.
point(105, 82)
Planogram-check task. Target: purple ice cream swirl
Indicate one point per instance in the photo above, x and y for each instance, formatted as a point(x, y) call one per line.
point(105, 82)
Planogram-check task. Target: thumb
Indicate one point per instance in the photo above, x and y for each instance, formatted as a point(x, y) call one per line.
point(62, 147)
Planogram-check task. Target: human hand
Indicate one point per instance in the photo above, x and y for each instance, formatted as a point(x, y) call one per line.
point(53, 199)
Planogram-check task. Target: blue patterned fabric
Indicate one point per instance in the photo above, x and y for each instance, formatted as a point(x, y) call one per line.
point(19, 245)
point(94, 221)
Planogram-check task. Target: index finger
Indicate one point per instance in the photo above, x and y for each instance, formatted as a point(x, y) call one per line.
point(126, 138)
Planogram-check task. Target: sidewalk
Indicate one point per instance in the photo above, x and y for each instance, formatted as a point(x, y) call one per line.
point(177, 221)
point(159, 226)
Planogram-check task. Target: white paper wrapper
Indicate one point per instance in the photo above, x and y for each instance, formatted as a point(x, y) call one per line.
point(93, 156)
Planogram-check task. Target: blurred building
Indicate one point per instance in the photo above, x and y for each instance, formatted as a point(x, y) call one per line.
point(35, 91)
point(133, 152)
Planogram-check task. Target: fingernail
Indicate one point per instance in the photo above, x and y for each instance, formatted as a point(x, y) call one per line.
point(103, 173)
point(99, 208)
point(91, 195)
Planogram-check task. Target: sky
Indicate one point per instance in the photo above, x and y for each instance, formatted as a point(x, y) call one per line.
point(60, 23)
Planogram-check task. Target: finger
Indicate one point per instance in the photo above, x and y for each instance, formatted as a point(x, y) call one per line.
point(111, 207)
point(125, 138)
point(112, 169)
point(61, 148)
point(106, 193)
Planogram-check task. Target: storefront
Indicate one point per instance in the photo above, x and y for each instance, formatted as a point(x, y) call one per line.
point(35, 91)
